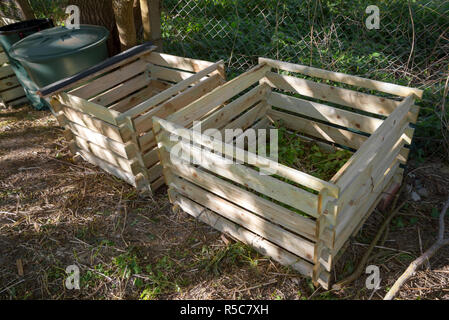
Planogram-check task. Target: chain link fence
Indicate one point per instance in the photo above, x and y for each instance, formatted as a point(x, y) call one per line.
point(411, 47)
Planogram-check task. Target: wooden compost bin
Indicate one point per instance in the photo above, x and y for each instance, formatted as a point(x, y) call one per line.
point(107, 109)
point(236, 199)
point(11, 92)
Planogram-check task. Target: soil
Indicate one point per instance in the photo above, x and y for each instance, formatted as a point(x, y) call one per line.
point(56, 212)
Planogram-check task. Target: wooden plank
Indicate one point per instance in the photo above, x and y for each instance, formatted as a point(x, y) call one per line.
point(223, 116)
point(376, 167)
point(319, 130)
point(345, 228)
point(3, 58)
point(230, 211)
point(18, 102)
point(273, 188)
point(360, 159)
point(104, 70)
point(8, 83)
point(187, 64)
point(6, 71)
point(230, 151)
point(344, 78)
point(250, 201)
point(261, 245)
point(121, 91)
point(127, 150)
point(126, 165)
point(155, 185)
point(162, 73)
point(139, 97)
point(217, 97)
point(150, 158)
point(167, 94)
point(324, 112)
point(147, 141)
point(12, 94)
point(122, 134)
point(128, 177)
point(144, 123)
point(345, 97)
point(155, 171)
point(85, 106)
point(110, 80)
point(246, 120)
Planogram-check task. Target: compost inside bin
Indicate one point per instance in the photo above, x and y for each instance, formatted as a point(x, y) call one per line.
point(308, 156)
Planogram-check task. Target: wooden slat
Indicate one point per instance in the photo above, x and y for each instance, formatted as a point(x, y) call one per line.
point(361, 158)
point(155, 185)
point(122, 134)
point(150, 158)
point(376, 166)
point(3, 58)
point(121, 91)
point(8, 83)
point(128, 177)
point(319, 130)
point(360, 211)
point(324, 112)
point(147, 142)
point(273, 188)
point(217, 97)
point(85, 106)
point(220, 118)
point(246, 120)
point(18, 102)
point(230, 211)
point(250, 201)
point(124, 164)
point(344, 78)
point(12, 94)
point(103, 71)
point(127, 150)
point(230, 151)
point(144, 123)
point(261, 245)
point(344, 97)
point(166, 74)
point(110, 80)
point(139, 97)
point(167, 94)
point(167, 60)
point(6, 71)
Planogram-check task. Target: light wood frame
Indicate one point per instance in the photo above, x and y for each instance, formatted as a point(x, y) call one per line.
point(232, 197)
point(108, 115)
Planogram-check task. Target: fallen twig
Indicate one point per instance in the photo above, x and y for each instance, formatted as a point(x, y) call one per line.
point(360, 268)
point(441, 241)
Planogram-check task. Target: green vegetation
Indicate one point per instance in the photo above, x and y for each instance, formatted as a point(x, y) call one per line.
point(308, 157)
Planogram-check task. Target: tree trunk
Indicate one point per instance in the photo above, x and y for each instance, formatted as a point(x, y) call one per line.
point(100, 12)
point(145, 11)
point(25, 9)
point(124, 17)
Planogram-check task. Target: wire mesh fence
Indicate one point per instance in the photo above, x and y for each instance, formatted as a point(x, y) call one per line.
point(411, 46)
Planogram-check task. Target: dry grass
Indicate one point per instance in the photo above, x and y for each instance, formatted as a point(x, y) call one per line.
point(55, 213)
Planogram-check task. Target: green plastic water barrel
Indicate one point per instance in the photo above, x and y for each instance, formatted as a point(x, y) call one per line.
point(13, 33)
point(56, 53)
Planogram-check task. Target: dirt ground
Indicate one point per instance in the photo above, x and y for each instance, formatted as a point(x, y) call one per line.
point(55, 213)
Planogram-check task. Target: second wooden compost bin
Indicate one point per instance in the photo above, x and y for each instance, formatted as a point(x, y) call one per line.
point(107, 110)
point(236, 199)
point(11, 92)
